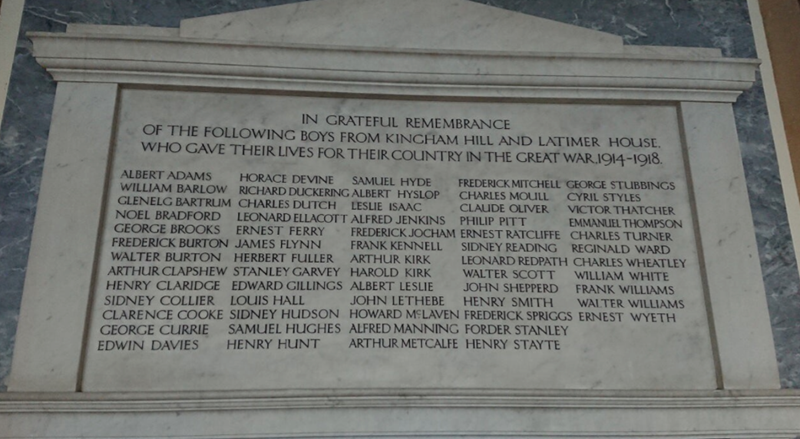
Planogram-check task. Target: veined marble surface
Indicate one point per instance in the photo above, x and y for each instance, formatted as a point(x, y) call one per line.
point(700, 23)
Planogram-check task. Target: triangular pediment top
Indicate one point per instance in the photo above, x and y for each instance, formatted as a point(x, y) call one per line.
point(401, 24)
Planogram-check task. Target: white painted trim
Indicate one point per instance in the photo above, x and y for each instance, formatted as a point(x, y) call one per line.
point(785, 168)
point(10, 18)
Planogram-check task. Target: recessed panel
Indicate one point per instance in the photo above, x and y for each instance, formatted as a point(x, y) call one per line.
point(282, 242)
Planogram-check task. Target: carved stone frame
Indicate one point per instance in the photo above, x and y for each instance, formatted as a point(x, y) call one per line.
point(92, 63)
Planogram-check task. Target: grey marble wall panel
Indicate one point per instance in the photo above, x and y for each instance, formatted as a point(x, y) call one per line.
point(722, 24)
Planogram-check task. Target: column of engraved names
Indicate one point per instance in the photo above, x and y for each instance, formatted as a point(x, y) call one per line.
point(162, 289)
point(283, 262)
point(623, 252)
point(510, 264)
point(397, 240)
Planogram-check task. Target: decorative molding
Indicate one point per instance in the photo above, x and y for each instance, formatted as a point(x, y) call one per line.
point(706, 415)
point(170, 61)
point(19, 402)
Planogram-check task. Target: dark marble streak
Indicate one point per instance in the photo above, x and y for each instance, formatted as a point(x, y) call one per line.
point(691, 23)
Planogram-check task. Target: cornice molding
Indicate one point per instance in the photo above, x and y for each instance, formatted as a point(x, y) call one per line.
point(265, 400)
point(184, 62)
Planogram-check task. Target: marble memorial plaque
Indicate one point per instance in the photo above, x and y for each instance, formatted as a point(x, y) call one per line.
point(411, 217)
point(256, 241)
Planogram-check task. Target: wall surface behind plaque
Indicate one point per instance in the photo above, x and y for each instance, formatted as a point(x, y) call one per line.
point(722, 24)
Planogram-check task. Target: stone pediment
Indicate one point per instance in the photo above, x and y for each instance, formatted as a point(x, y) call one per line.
point(390, 47)
point(401, 24)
